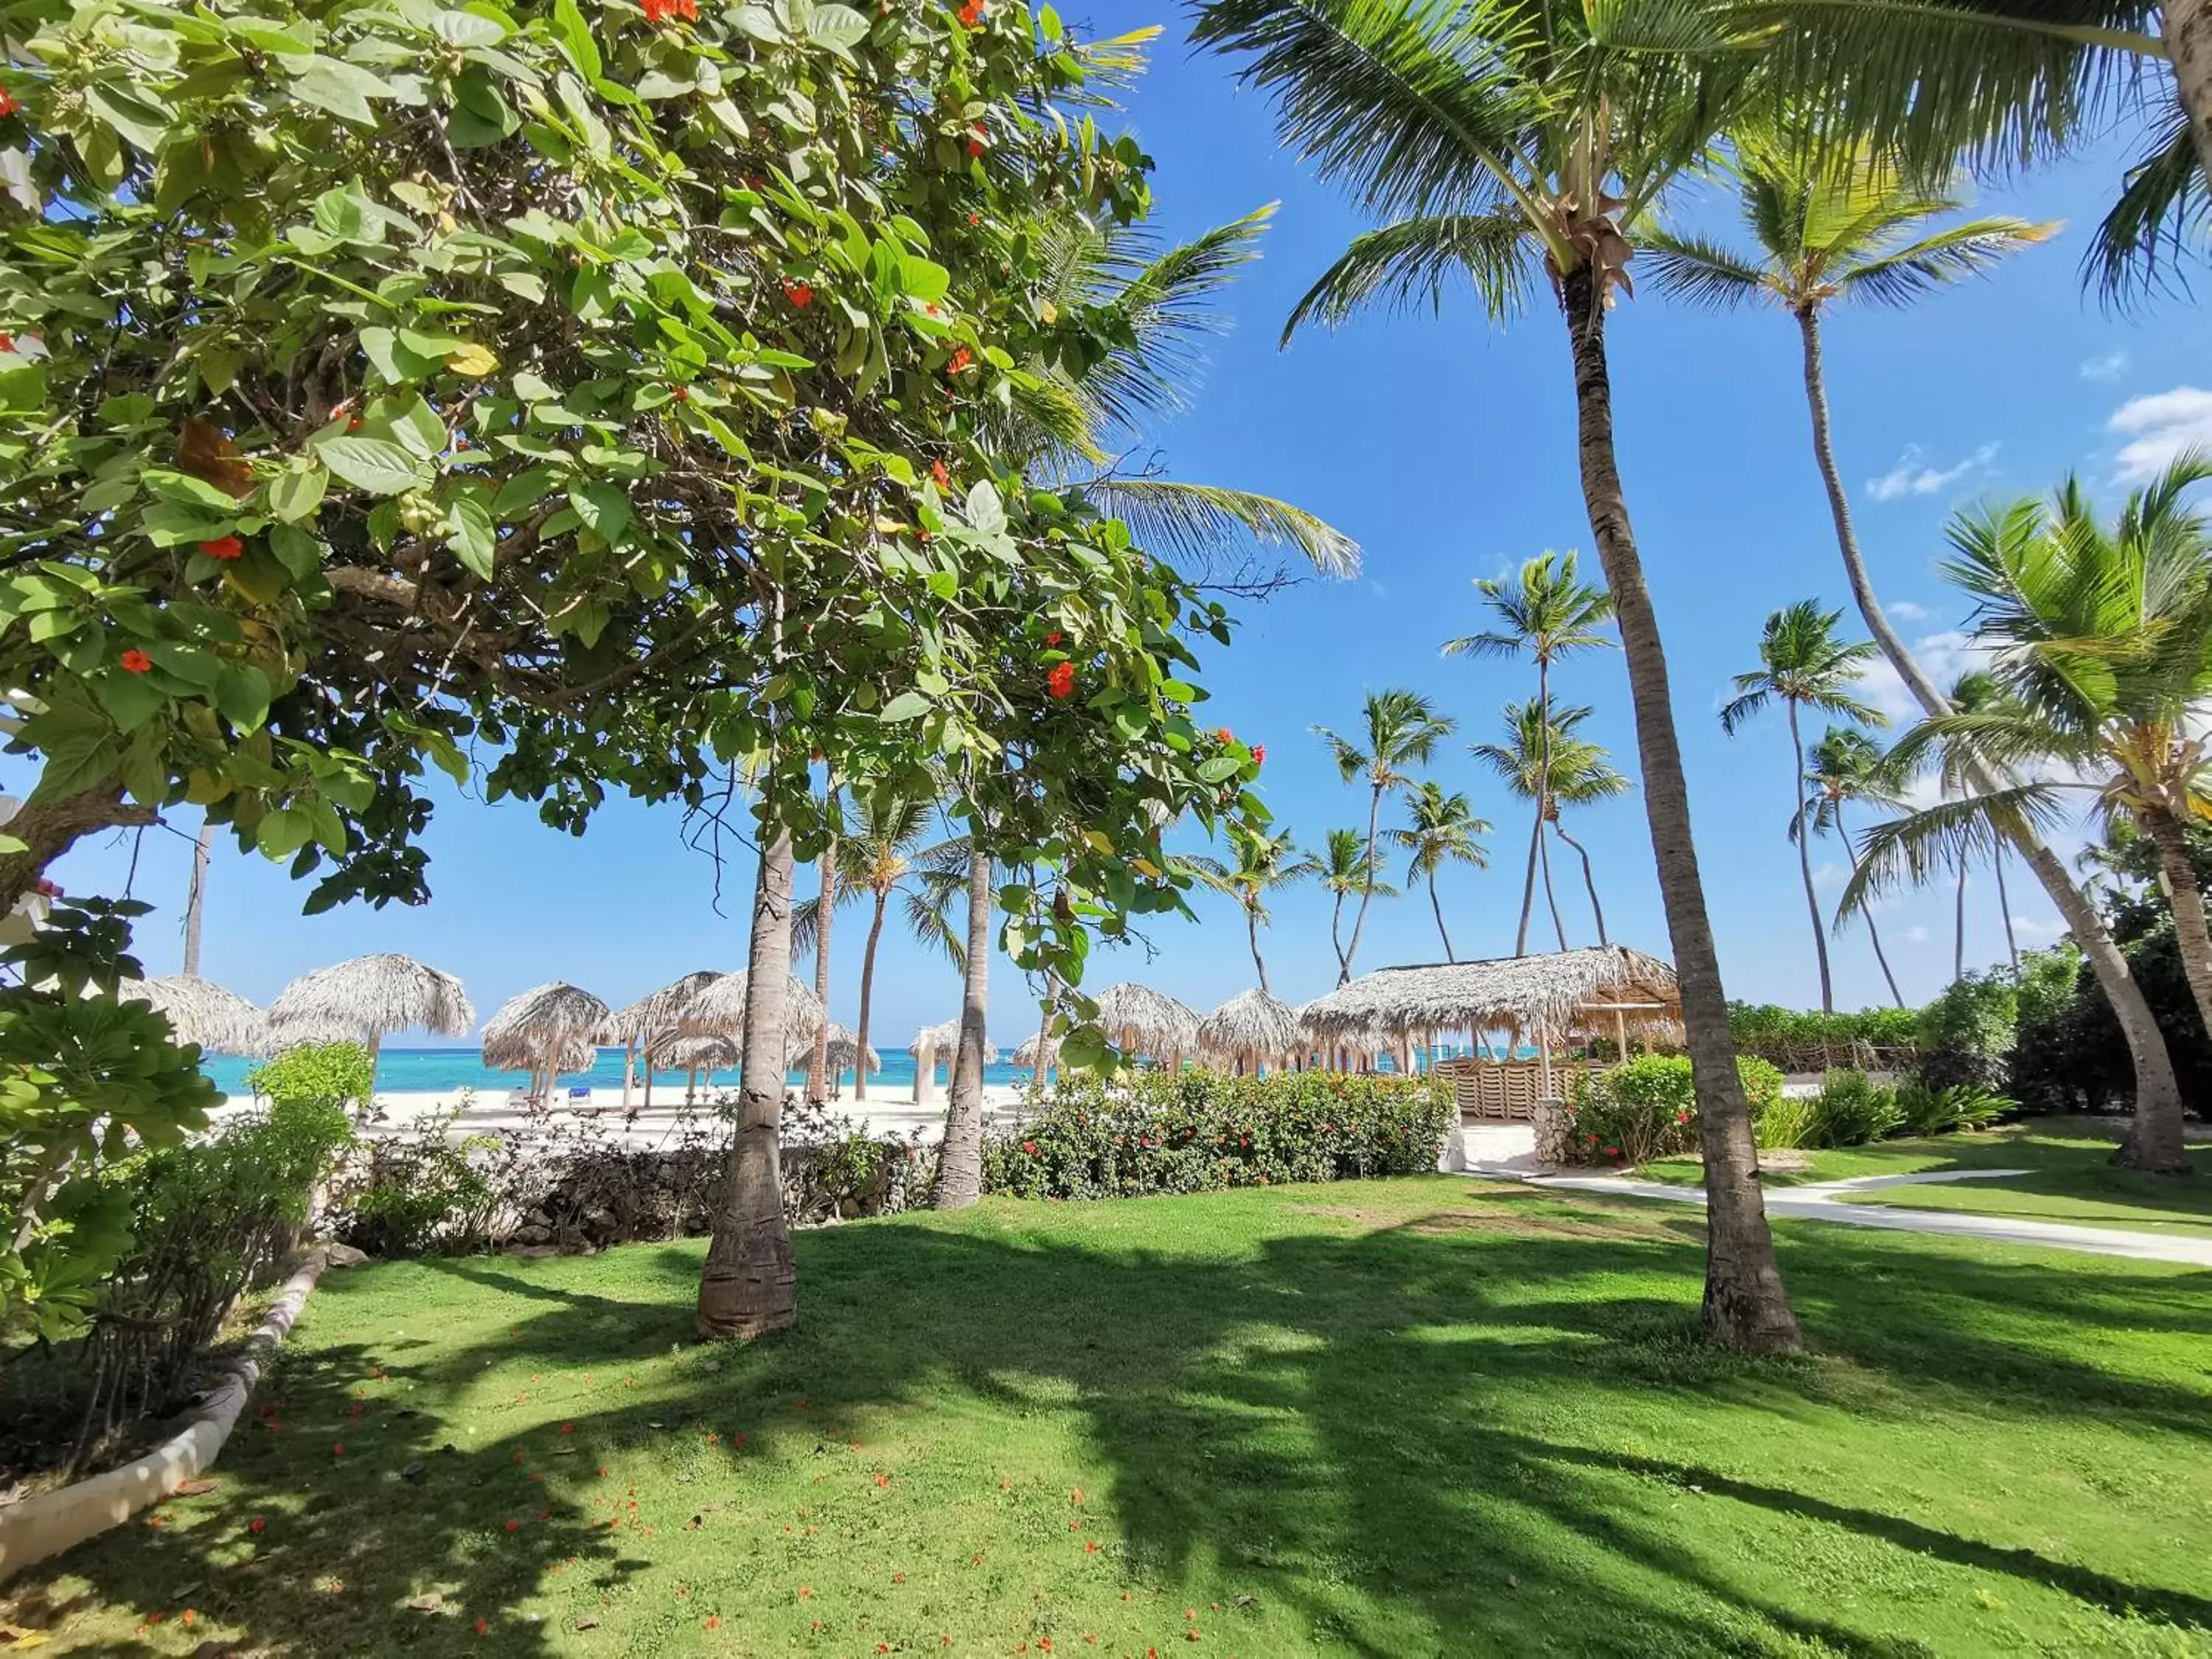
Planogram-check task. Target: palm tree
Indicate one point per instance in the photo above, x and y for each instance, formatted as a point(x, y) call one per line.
point(1506, 146)
point(1440, 829)
point(1345, 866)
point(1548, 613)
point(2102, 642)
point(1579, 772)
point(1399, 729)
point(1263, 864)
point(1973, 693)
point(1849, 766)
point(1804, 665)
point(879, 855)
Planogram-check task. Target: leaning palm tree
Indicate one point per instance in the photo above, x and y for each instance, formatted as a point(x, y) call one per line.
point(1972, 693)
point(1345, 866)
point(2101, 636)
point(1802, 665)
point(1506, 146)
point(1548, 613)
point(1263, 863)
point(1399, 729)
point(1545, 759)
point(1439, 829)
point(1850, 766)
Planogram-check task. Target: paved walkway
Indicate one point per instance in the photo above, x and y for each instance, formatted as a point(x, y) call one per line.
point(1492, 1157)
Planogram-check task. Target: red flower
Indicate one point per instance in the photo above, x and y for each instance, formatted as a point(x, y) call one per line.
point(1612, 1151)
point(338, 1450)
point(137, 662)
point(514, 1525)
point(960, 361)
point(256, 1524)
point(799, 293)
point(567, 1428)
point(882, 1480)
point(1259, 754)
point(1054, 637)
point(8, 106)
point(483, 1625)
point(687, 10)
point(1222, 734)
point(937, 471)
point(972, 13)
point(974, 218)
point(7, 340)
point(682, 394)
point(1090, 1547)
point(1060, 683)
point(1030, 1146)
point(974, 148)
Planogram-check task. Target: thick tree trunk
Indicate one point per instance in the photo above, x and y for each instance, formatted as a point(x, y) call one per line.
point(1366, 886)
point(749, 1286)
point(2004, 909)
point(2158, 1095)
point(960, 1160)
point(1874, 933)
point(817, 1062)
point(867, 998)
point(49, 828)
point(1745, 1305)
point(1805, 858)
point(2186, 900)
point(1589, 881)
point(196, 899)
point(1252, 932)
point(1437, 905)
point(2188, 44)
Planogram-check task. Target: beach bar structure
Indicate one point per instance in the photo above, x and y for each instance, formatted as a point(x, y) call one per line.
point(1544, 1001)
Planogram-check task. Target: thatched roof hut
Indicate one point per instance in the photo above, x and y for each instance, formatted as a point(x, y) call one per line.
point(718, 1010)
point(1038, 1052)
point(698, 1054)
point(844, 1051)
point(1543, 997)
point(544, 1030)
point(370, 997)
point(1252, 1028)
point(199, 1011)
point(1143, 1021)
point(941, 1042)
point(656, 1010)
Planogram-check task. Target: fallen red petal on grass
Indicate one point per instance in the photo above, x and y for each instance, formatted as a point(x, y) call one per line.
point(805, 1594)
point(714, 1621)
point(1076, 1497)
point(882, 1480)
point(1090, 1547)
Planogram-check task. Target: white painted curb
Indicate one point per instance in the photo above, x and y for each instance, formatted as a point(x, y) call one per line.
point(53, 1521)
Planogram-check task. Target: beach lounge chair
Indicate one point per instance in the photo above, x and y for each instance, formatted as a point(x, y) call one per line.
point(581, 1095)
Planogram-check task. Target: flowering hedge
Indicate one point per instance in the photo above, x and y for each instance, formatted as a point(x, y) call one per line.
point(1648, 1108)
point(1156, 1132)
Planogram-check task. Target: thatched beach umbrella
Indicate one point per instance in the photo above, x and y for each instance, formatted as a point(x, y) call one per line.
point(718, 1010)
point(635, 1026)
point(928, 1043)
point(842, 1052)
point(199, 1011)
point(1039, 1053)
point(369, 997)
point(1143, 1021)
point(1252, 1028)
point(695, 1054)
point(539, 1030)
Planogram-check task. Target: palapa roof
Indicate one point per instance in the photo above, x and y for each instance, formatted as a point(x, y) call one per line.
point(1027, 1054)
point(372, 996)
point(698, 1054)
point(199, 1011)
point(1552, 993)
point(718, 1010)
point(945, 1039)
point(555, 1019)
point(1253, 1024)
point(1143, 1021)
point(844, 1049)
point(577, 1054)
point(656, 1010)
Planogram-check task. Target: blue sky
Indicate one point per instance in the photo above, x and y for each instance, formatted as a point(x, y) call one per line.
point(1446, 445)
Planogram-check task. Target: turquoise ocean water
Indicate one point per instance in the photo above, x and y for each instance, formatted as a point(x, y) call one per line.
point(425, 1070)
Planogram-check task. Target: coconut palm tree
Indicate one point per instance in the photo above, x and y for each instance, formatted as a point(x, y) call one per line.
point(1506, 146)
point(1579, 772)
point(1548, 613)
point(1802, 665)
point(1440, 829)
point(1263, 863)
point(2102, 641)
point(1849, 766)
point(880, 856)
point(1346, 865)
point(1974, 692)
point(1399, 729)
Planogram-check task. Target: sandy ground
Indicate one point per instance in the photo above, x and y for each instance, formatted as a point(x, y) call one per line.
point(488, 1112)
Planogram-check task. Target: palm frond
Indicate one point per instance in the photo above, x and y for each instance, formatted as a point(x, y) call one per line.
point(1414, 264)
point(2159, 219)
point(1903, 275)
point(1699, 271)
point(1200, 522)
point(1908, 851)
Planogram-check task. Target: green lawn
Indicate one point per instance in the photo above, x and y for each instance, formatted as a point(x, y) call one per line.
point(1389, 1419)
point(2071, 1179)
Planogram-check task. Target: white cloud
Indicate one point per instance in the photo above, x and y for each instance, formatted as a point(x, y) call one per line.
point(1918, 936)
point(2039, 926)
point(1828, 875)
point(1943, 656)
point(1913, 475)
point(2160, 426)
point(2110, 367)
point(1905, 610)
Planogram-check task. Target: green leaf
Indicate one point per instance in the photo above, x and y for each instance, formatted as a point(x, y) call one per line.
point(297, 493)
point(192, 664)
point(907, 706)
point(141, 123)
point(1219, 769)
point(284, 831)
point(242, 692)
point(467, 28)
point(376, 464)
point(575, 38)
point(604, 508)
point(418, 428)
point(397, 362)
point(187, 491)
point(835, 25)
point(469, 532)
point(168, 525)
point(341, 88)
point(526, 488)
point(986, 512)
point(923, 279)
point(130, 700)
point(534, 388)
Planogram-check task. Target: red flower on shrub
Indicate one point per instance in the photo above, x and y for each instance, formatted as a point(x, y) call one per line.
point(256, 1523)
point(1681, 1117)
point(223, 547)
point(1612, 1151)
point(943, 477)
point(799, 293)
point(960, 360)
point(1259, 754)
point(514, 1525)
point(972, 13)
point(1030, 1146)
point(1054, 637)
point(8, 104)
point(1061, 682)
point(137, 662)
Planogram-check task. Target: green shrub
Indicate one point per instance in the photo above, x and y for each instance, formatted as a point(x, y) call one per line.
point(422, 1194)
point(1852, 1110)
point(338, 1074)
point(1648, 1108)
point(1786, 1121)
point(1162, 1132)
point(1798, 1038)
point(1930, 1111)
point(1966, 1034)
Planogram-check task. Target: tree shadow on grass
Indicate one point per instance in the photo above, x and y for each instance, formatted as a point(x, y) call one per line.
point(1421, 1435)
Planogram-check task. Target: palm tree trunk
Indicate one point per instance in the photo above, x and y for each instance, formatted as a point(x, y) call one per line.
point(1745, 1305)
point(1552, 899)
point(1589, 881)
point(2155, 1143)
point(2186, 899)
point(1044, 1026)
point(1805, 858)
point(867, 997)
point(1436, 905)
point(1528, 881)
point(196, 900)
point(1543, 792)
point(1336, 941)
point(1874, 934)
point(1958, 926)
point(960, 1160)
point(2004, 909)
point(817, 1063)
point(1252, 931)
point(750, 1284)
point(1366, 885)
point(2188, 44)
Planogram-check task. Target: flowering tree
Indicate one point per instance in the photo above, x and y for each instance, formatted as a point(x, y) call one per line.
point(603, 388)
